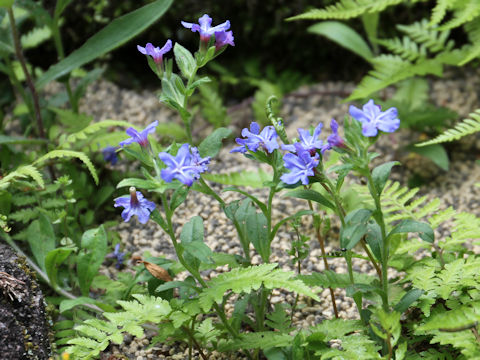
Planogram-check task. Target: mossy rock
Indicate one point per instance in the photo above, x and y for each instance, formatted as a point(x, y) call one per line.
point(23, 326)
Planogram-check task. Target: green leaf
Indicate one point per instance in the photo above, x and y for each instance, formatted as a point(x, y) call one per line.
point(257, 234)
point(41, 239)
point(192, 230)
point(344, 36)
point(212, 144)
point(423, 229)
point(53, 260)
point(185, 61)
point(254, 179)
point(68, 304)
point(373, 237)
point(355, 227)
point(311, 195)
point(199, 250)
point(294, 216)
point(118, 32)
point(408, 299)
point(94, 249)
point(6, 3)
point(138, 183)
point(260, 204)
point(381, 173)
point(434, 152)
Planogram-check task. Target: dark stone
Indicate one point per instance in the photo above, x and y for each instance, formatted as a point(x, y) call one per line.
point(24, 333)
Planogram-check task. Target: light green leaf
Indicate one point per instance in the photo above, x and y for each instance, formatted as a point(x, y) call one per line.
point(53, 260)
point(212, 144)
point(41, 239)
point(434, 152)
point(118, 32)
point(344, 36)
point(185, 61)
point(423, 229)
point(311, 195)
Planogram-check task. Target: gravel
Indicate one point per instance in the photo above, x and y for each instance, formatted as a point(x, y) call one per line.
point(303, 108)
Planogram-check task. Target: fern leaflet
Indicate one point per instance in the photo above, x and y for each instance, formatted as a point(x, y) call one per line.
point(69, 153)
point(92, 129)
point(466, 127)
point(245, 280)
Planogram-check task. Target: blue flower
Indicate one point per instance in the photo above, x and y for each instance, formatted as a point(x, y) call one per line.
point(110, 154)
point(309, 142)
point(301, 165)
point(373, 119)
point(116, 254)
point(135, 204)
point(186, 166)
point(267, 139)
point(139, 137)
point(333, 139)
point(155, 52)
point(223, 38)
point(204, 27)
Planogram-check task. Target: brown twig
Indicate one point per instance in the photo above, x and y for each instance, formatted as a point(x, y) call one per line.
point(372, 259)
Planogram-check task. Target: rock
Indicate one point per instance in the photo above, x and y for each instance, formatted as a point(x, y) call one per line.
point(23, 327)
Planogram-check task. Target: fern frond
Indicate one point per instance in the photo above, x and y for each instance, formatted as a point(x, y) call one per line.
point(24, 215)
point(22, 172)
point(22, 200)
point(92, 129)
point(422, 33)
point(35, 37)
point(346, 9)
point(245, 280)
point(468, 126)
point(464, 341)
point(463, 14)
point(330, 279)
point(406, 48)
point(97, 334)
point(69, 153)
point(439, 11)
point(473, 32)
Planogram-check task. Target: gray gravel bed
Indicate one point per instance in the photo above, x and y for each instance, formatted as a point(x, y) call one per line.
point(306, 107)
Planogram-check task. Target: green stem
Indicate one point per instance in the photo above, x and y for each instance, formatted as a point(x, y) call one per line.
point(195, 273)
point(194, 342)
point(23, 63)
point(380, 221)
point(188, 120)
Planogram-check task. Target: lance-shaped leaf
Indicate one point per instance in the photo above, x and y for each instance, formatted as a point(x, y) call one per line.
point(423, 229)
point(355, 227)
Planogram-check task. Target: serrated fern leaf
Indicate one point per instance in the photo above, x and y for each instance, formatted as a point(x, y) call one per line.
point(461, 317)
point(464, 341)
point(22, 200)
point(97, 334)
point(69, 153)
point(354, 347)
point(35, 37)
point(258, 340)
point(24, 215)
point(330, 279)
point(423, 33)
point(22, 172)
point(346, 9)
point(473, 32)
point(463, 14)
point(439, 11)
point(466, 127)
point(242, 178)
point(245, 280)
point(406, 48)
point(92, 129)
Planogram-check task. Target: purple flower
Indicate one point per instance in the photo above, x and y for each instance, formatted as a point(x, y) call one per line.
point(223, 38)
point(186, 166)
point(334, 139)
point(116, 254)
point(205, 29)
point(155, 52)
point(139, 137)
point(110, 154)
point(135, 204)
point(309, 142)
point(373, 119)
point(267, 139)
point(301, 166)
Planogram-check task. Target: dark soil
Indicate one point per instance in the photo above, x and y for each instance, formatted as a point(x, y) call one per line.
point(23, 326)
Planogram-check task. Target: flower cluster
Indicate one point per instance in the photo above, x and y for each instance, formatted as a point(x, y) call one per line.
point(186, 166)
point(304, 155)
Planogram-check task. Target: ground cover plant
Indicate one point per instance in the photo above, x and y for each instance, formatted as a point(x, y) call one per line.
point(400, 316)
point(421, 303)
